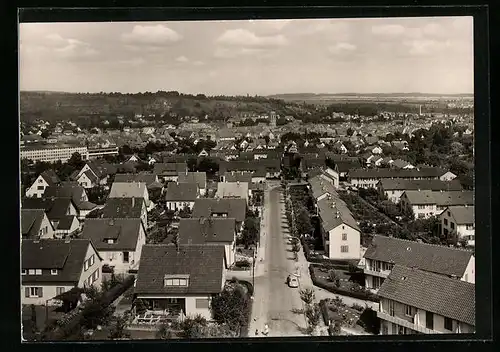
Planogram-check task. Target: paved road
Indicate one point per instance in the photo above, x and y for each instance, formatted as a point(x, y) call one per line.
point(274, 301)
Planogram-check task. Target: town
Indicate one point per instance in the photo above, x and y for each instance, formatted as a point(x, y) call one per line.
point(307, 219)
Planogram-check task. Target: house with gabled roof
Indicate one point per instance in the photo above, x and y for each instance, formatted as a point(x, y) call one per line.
point(210, 231)
point(384, 252)
point(393, 189)
point(221, 208)
point(233, 190)
point(459, 220)
point(126, 208)
point(170, 171)
point(181, 195)
point(200, 178)
point(51, 267)
point(414, 301)
point(74, 191)
point(94, 173)
point(44, 180)
point(131, 190)
point(428, 203)
point(35, 224)
point(180, 280)
point(118, 241)
point(401, 164)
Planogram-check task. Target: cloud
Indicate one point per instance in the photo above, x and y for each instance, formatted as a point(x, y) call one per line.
point(198, 63)
point(131, 62)
point(182, 59)
point(232, 52)
point(151, 35)
point(426, 47)
point(61, 48)
point(388, 29)
point(269, 26)
point(342, 48)
point(245, 38)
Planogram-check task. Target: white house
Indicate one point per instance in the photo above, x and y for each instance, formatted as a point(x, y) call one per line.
point(131, 190)
point(432, 203)
point(44, 180)
point(51, 267)
point(118, 241)
point(459, 220)
point(35, 224)
point(413, 302)
point(181, 195)
point(393, 189)
point(180, 281)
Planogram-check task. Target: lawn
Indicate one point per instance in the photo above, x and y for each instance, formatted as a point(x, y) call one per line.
point(323, 273)
point(339, 312)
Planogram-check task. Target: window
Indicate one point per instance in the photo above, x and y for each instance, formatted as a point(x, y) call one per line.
point(176, 281)
point(449, 214)
point(469, 227)
point(408, 311)
point(344, 249)
point(38, 271)
point(33, 292)
point(421, 216)
point(421, 207)
point(452, 225)
point(125, 257)
point(53, 272)
point(59, 290)
point(429, 320)
point(445, 222)
point(23, 272)
point(40, 180)
point(202, 303)
point(40, 188)
point(344, 237)
point(92, 260)
point(448, 324)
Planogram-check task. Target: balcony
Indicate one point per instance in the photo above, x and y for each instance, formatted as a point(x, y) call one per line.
point(379, 273)
point(405, 323)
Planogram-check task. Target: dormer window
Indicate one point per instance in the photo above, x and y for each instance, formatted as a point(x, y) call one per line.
point(38, 271)
point(31, 271)
point(110, 240)
point(53, 272)
point(23, 272)
point(176, 280)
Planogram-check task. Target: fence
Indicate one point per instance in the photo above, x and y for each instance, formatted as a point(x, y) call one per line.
point(72, 324)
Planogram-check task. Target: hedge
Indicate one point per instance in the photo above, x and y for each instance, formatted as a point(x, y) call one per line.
point(332, 288)
point(334, 263)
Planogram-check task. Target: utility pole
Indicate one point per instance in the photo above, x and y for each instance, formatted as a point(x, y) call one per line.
point(253, 270)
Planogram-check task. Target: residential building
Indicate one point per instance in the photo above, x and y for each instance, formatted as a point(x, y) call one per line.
point(233, 190)
point(169, 171)
point(131, 190)
point(384, 252)
point(51, 267)
point(413, 301)
point(234, 208)
point(236, 176)
point(341, 233)
point(181, 195)
point(76, 193)
point(145, 177)
point(35, 224)
point(44, 180)
point(118, 241)
point(51, 154)
point(210, 231)
point(432, 203)
point(200, 178)
point(393, 189)
point(180, 280)
point(366, 178)
point(94, 173)
point(126, 208)
point(459, 220)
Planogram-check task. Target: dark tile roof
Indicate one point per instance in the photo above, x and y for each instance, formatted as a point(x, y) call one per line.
point(75, 192)
point(402, 173)
point(65, 222)
point(124, 231)
point(241, 176)
point(55, 208)
point(127, 208)
point(206, 230)
point(440, 198)
point(346, 165)
point(169, 169)
point(200, 178)
point(334, 212)
point(438, 294)
point(181, 192)
point(203, 263)
point(235, 208)
point(433, 258)
point(50, 177)
point(147, 178)
point(432, 185)
point(65, 255)
point(91, 176)
point(31, 220)
point(462, 214)
point(127, 190)
point(101, 168)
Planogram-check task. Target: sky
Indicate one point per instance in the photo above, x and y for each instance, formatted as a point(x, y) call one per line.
point(261, 57)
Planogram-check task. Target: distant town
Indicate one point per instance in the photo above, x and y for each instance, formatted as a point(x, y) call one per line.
point(175, 216)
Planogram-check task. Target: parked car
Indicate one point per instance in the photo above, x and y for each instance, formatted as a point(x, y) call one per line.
point(293, 282)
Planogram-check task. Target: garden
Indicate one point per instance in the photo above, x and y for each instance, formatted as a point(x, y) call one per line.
point(358, 319)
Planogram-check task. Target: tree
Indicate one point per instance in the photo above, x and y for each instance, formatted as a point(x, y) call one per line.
point(193, 327)
point(76, 161)
point(118, 327)
point(313, 315)
point(307, 295)
point(250, 233)
point(231, 307)
point(192, 164)
point(349, 132)
point(303, 221)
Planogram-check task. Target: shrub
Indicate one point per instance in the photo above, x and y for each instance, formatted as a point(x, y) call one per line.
point(307, 295)
point(358, 307)
point(244, 263)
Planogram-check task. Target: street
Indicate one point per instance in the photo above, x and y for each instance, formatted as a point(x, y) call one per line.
point(274, 302)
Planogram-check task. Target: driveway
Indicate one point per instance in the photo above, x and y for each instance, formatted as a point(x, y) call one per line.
point(275, 302)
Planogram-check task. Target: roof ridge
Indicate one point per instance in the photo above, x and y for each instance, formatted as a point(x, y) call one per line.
point(430, 273)
point(426, 244)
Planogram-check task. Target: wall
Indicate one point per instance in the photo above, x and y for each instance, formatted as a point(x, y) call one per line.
point(96, 266)
point(364, 182)
point(394, 195)
point(48, 291)
point(46, 224)
point(470, 271)
point(121, 267)
point(353, 241)
point(33, 191)
point(190, 303)
point(179, 205)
